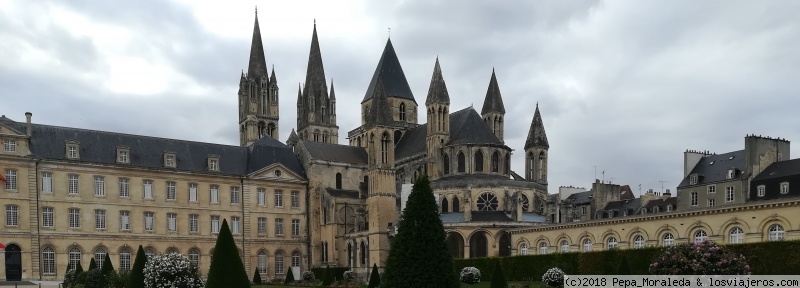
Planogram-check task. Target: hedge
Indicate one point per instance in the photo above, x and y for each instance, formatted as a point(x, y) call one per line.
point(337, 272)
point(762, 258)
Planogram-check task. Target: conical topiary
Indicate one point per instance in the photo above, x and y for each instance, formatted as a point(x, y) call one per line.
point(257, 277)
point(289, 277)
point(92, 265)
point(226, 269)
point(498, 279)
point(79, 268)
point(108, 267)
point(327, 276)
point(624, 268)
point(136, 277)
point(374, 277)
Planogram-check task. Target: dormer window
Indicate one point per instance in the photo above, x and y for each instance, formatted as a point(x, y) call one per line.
point(693, 179)
point(731, 173)
point(785, 188)
point(72, 150)
point(655, 209)
point(169, 160)
point(644, 210)
point(762, 190)
point(669, 208)
point(9, 145)
point(123, 155)
point(213, 163)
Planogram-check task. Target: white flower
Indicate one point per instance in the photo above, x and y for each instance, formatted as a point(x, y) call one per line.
point(171, 270)
point(470, 275)
point(554, 277)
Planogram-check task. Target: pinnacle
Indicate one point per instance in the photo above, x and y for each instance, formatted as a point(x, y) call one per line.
point(536, 135)
point(493, 103)
point(437, 92)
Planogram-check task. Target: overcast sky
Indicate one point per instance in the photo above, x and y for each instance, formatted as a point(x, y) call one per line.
point(625, 86)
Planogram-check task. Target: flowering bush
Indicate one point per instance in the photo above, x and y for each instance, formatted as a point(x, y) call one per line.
point(554, 277)
point(348, 276)
point(699, 258)
point(308, 276)
point(470, 275)
point(171, 270)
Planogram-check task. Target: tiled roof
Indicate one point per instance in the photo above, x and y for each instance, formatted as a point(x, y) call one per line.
point(336, 152)
point(437, 91)
point(392, 76)
point(713, 168)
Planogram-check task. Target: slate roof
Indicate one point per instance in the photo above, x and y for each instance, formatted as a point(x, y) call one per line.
point(453, 217)
point(661, 204)
point(631, 205)
point(437, 91)
point(49, 142)
point(342, 193)
point(626, 193)
point(713, 168)
point(536, 135)
point(779, 169)
point(336, 152)
point(412, 142)
point(481, 180)
point(490, 216)
point(381, 111)
point(533, 217)
point(517, 176)
point(393, 80)
point(581, 197)
point(493, 101)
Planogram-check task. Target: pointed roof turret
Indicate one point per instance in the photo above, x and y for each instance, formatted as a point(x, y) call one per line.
point(380, 112)
point(315, 73)
point(437, 92)
point(292, 137)
point(299, 95)
point(493, 101)
point(272, 78)
point(333, 94)
point(536, 135)
point(258, 64)
point(392, 76)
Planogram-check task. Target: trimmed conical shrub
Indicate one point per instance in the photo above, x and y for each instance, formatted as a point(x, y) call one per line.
point(374, 277)
point(136, 277)
point(289, 277)
point(327, 277)
point(79, 269)
point(92, 265)
point(498, 279)
point(108, 267)
point(257, 277)
point(226, 269)
point(419, 256)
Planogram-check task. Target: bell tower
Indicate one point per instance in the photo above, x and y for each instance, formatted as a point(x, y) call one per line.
point(437, 106)
point(536, 147)
point(258, 96)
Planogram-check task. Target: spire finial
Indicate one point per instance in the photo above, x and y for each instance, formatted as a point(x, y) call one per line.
point(256, 10)
point(390, 32)
point(315, 22)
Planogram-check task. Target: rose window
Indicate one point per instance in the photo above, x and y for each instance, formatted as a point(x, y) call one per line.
point(524, 200)
point(487, 202)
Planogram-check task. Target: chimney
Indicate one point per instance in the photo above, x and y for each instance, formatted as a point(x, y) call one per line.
point(28, 121)
point(667, 194)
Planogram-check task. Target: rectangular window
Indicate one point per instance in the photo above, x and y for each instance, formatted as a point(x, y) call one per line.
point(692, 179)
point(10, 145)
point(278, 227)
point(192, 192)
point(194, 223)
point(214, 194)
point(47, 182)
point(235, 225)
point(262, 197)
point(278, 199)
point(11, 179)
point(729, 194)
point(214, 224)
point(169, 160)
point(712, 189)
point(295, 227)
point(99, 186)
point(124, 220)
point(72, 151)
point(583, 210)
point(148, 221)
point(234, 195)
point(99, 219)
point(170, 190)
point(148, 189)
point(761, 190)
point(124, 188)
point(295, 199)
point(712, 202)
point(172, 222)
point(784, 188)
point(213, 165)
point(262, 226)
point(122, 156)
point(72, 187)
point(74, 218)
point(694, 198)
point(47, 217)
point(12, 215)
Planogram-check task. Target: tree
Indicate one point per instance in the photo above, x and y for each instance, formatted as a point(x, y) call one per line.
point(374, 277)
point(624, 267)
point(327, 276)
point(92, 265)
point(498, 279)
point(289, 277)
point(136, 278)
point(172, 270)
point(419, 256)
point(257, 277)
point(79, 269)
point(226, 269)
point(108, 267)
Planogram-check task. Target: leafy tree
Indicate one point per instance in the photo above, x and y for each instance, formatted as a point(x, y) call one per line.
point(327, 276)
point(289, 277)
point(498, 279)
point(92, 265)
point(624, 267)
point(226, 269)
point(108, 267)
point(419, 256)
point(136, 277)
point(257, 277)
point(374, 277)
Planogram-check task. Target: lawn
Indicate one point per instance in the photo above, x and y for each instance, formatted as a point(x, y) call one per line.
point(534, 284)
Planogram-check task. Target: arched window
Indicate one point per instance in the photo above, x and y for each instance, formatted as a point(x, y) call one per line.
point(496, 162)
point(507, 163)
point(587, 245)
point(262, 129)
point(350, 254)
point(542, 248)
point(74, 257)
point(325, 137)
point(736, 235)
point(775, 232)
point(530, 166)
point(295, 259)
point(525, 203)
point(611, 243)
point(363, 254)
point(402, 111)
point(271, 130)
point(456, 204)
point(540, 169)
point(461, 162)
point(194, 257)
point(99, 257)
point(385, 148)
point(279, 264)
point(48, 261)
point(445, 205)
point(125, 259)
point(669, 239)
point(446, 164)
point(338, 180)
point(479, 161)
point(564, 246)
point(487, 202)
point(638, 242)
point(700, 236)
point(150, 253)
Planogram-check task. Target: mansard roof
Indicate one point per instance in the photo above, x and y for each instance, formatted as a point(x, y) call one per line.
point(493, 101)
point(536, 135)
point(392, 76)
point(779, 169)
point(714, 168)
point(257, 67)
point(99, 147)
point(336, 152)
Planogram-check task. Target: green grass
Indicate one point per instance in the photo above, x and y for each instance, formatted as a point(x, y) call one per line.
point(533, 284)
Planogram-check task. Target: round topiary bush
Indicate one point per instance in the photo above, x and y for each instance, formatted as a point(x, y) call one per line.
point(348, 276)
point(470, 275)
point(699, 258)
point(171, 270)
point(554, 277)
point(308, 276)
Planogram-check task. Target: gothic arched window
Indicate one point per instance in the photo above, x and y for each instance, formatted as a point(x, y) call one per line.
point(461, 161)
point(496, 162)
point(456, 205)
point(338, 180)
point(271, 129)
point(446, 164)
point(530, 166)
point(479, 161)
point(540, 168)
point(445, 205)
point(402, 111)
point(385, 148)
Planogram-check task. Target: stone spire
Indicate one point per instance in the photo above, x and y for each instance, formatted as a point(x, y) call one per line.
point(437, 92)
point(536, 135)
point(272, 78)
point(315, 73)
point(258, 64)
point(299, 95)
point(333, 94)
point(380, 112)
point(493, 103)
